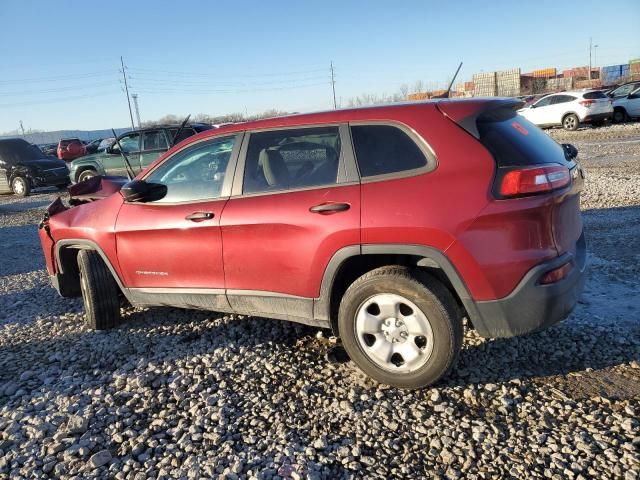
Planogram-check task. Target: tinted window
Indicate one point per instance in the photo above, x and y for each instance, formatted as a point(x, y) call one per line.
point(545, 102)
point(195, 173)
point(154, 140)
point(514, 141)
point(185, 133)
point(13, 151)
point(289, 159)
point(384, 149)
point(562, 99)
point(594, 95)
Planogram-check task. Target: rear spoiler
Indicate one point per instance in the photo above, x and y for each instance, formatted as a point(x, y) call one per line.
point(466, 112)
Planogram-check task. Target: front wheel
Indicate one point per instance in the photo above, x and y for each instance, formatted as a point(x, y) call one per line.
point(21, 186)
point(619, 115)
point(99, 291)
point(86, 175)
point(400, 326)
point(571, 122)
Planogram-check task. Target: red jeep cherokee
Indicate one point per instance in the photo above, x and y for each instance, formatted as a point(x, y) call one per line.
point(387, 224)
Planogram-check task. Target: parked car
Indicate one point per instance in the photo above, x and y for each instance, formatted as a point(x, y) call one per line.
point(142, 148)
point(570, 109)
point(626, 107)
point(387, 224)
point(24, 167)
point(92, 146)
point(623, 90)
point(70, 148)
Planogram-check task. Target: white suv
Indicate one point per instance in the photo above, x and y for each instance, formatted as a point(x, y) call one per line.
point(627, 106)
point(570, 109)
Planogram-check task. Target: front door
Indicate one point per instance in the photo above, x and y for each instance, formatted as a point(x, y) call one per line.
point(114, 163)
point(174, 244)
point(293, 206)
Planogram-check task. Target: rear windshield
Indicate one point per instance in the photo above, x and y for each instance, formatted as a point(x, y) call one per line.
point(65, 143)
point(514, 141)
point(593, 95)
point(13, 151)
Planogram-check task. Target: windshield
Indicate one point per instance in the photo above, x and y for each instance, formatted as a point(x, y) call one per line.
point(624, 90)
point(13, 151)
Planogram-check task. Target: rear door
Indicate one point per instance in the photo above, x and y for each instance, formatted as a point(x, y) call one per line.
point(114, 164)
point(295, 203)
point(154, 144)
point(633, 104)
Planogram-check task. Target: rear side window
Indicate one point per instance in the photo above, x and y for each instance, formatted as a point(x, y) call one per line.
point(383, 149)
point(514, 141)
point(562, 99)
point(292, 158)
point(154, 140)
point(594, 95)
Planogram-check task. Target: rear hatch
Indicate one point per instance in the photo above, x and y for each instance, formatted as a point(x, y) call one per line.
point(596, 102)
point(517, 145)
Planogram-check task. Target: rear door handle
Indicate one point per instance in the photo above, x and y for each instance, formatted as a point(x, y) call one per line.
point(328, 208)
point(200, 216)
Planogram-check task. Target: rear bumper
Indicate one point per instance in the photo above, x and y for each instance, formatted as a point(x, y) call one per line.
point(598, 117)
point(532, 306)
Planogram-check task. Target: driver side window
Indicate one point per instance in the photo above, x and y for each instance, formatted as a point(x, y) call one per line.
point(545, 102)
point(130, 143)
point(195, 173)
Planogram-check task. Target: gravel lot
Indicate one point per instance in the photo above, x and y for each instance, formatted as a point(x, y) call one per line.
point(174, 393)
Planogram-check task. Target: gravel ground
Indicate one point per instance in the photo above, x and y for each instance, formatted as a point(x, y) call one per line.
point(174, 393)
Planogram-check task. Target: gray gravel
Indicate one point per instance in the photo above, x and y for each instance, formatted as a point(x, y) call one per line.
point(174, 393)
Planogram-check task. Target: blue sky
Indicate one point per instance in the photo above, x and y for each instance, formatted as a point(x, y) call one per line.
point(61, 60)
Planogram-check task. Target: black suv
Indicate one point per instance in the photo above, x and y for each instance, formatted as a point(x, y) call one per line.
point(23, 166)
point(142, 147)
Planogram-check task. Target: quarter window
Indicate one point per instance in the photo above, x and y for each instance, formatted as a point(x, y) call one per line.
point(292, 158)
point(383, 149)
point(195, 173)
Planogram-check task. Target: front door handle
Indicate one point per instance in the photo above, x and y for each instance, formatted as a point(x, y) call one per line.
point(200, 216)
point(328, 208)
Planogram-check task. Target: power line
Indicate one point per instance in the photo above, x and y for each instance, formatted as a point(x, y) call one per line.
point(126, 87)
point(59, 77)
point(56, 100)
point(55, 90)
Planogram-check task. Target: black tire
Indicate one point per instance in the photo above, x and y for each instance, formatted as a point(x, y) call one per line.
point(619, 115)
point(62, 187)
point(434, 301)
point(20, 186)
point(598, 123)
point(86, 175)
point(570, 122)
point(99, 291)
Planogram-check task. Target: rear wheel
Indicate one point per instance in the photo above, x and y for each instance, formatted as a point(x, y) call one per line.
point(400, 327)
point(571, 122)
point(21, 186)
point(99, 291)
point(619, 115)
point(86, 175)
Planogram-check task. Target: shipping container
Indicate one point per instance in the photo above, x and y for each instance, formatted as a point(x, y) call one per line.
point(468, 86)
point(508, 83)
point(484, 84)
point(544, 73)
point(634, 61)
point(634, 68)
point(418, 96)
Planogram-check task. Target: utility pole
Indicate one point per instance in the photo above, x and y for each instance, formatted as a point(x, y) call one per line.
point(135, 104)
point(333, 87)
point(590, 48)
point(126, 88)
point(22, 128)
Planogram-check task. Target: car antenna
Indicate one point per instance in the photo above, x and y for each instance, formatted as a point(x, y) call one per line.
point(127, 165)
point(173, 142)
point(446, 94)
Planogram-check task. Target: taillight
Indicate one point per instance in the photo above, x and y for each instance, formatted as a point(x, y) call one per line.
point(533, 180)
point(556, 274)
point(586, 103)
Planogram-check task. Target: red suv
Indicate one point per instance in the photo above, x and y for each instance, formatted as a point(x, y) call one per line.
point(387, 224)
point(70, 149)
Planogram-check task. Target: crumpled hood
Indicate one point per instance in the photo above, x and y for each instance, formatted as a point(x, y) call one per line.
point(95, 188)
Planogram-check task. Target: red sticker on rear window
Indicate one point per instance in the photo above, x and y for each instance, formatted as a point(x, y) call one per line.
point(520, 128)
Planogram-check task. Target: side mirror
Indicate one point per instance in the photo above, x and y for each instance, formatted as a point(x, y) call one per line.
point(570, 151)
point(533, 105)
point(140, 191)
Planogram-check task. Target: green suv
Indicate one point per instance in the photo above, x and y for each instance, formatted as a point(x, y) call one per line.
point(142, 148)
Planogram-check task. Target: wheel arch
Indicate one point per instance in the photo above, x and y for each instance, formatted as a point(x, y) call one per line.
point(351, 262)
point(66, 255)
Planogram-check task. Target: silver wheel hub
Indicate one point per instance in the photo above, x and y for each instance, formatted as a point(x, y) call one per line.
point(19, 186)
point(394, 333)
